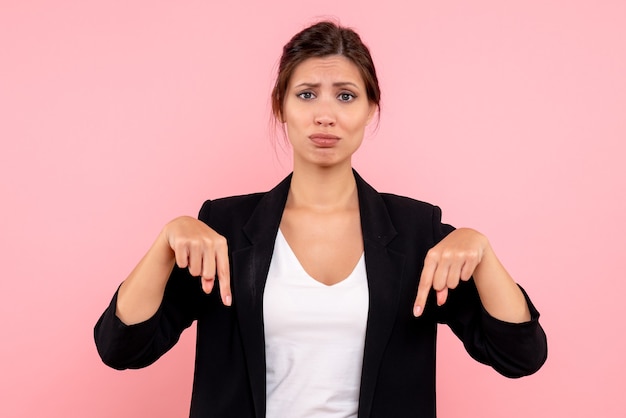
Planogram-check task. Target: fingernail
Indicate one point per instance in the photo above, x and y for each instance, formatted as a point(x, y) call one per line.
point(417, 310)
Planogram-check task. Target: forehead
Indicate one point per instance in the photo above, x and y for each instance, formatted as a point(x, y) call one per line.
point(332, 68)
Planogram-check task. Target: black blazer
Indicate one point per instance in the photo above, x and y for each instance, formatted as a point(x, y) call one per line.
point(398, 376)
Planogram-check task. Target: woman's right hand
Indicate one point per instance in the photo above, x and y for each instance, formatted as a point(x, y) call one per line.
point(191, 244)
point(201, 250)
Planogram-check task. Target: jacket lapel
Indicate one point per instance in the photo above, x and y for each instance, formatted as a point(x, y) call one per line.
point(250, 267)
point(384, 271)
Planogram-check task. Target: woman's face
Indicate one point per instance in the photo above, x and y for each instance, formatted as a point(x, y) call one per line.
point(325, 111)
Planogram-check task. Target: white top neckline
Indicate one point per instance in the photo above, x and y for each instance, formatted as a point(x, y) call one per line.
point(280, 237)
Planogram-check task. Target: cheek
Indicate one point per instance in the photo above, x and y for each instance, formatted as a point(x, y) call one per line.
point(295, 120)
point(357, 122)
point(288, 113)
point(292, 127)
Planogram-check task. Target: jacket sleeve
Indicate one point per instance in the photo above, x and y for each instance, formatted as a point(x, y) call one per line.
point(124, 346)
point(513, 350)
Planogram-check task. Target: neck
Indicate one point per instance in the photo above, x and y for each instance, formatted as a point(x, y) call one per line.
point(323, 188)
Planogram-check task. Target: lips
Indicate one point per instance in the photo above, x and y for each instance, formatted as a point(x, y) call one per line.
point(324, 140)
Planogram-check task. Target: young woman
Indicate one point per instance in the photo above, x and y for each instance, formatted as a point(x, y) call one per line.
point(328, 293)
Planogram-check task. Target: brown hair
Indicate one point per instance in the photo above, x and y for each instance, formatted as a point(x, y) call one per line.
point(320, 40)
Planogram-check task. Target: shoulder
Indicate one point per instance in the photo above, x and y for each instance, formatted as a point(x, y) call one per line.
point(403, 209)
point(416, 219)
point(230, 207)
point(404, 213)
point(393, 202)
point(397, 202)
point(242, 206)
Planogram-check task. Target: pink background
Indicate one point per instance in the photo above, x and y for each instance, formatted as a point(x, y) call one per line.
point(116, 117)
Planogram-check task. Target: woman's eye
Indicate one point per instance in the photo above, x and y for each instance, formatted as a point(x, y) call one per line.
point(306, 95)
point(346, 97)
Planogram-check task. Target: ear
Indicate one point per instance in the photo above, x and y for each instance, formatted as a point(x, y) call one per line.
point(279, 117)
point(372, 111)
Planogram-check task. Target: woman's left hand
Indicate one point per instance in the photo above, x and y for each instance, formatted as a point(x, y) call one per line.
point(453, 259)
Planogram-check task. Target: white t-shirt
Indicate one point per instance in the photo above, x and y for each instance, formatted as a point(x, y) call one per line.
point(314, 339)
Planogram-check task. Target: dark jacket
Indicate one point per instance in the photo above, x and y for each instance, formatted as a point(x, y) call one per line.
point(398, 376)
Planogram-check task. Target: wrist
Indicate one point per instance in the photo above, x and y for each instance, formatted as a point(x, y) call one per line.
point(161, 249)
point(489, 267)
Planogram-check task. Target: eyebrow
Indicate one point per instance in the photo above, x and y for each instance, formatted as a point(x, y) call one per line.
point(337, 84)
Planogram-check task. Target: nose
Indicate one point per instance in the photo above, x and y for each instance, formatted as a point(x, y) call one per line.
point(324, 115)
point(324, 121)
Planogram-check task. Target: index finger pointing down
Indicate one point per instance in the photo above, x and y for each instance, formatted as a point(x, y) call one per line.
point(223, 274)
point(425, 284)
